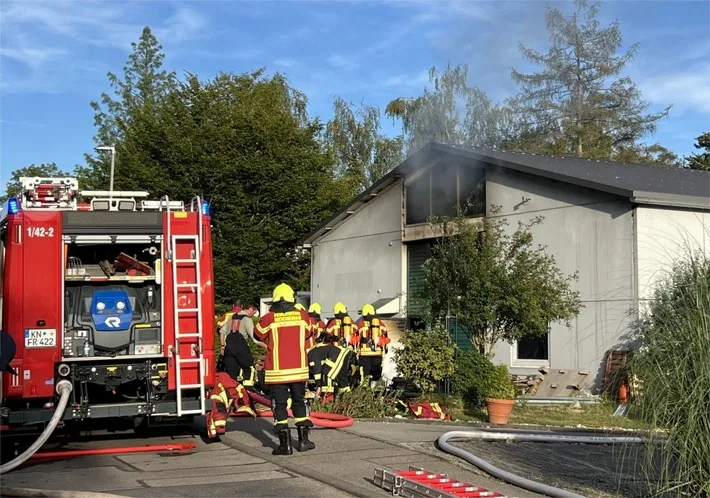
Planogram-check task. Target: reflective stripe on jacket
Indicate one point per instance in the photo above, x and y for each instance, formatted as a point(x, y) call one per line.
point(285, 335)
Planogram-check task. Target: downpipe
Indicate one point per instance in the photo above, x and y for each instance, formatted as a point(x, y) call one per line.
point(64, 389)
point(514, 479)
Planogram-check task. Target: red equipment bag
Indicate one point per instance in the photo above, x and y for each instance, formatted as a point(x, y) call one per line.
point(428, 410)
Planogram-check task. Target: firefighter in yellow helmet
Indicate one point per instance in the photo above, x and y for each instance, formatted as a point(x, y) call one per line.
point(317, 324)
point(342, 327)
point(373, 345)
point(284, 330)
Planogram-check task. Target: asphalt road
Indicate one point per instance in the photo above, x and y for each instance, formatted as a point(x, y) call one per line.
point(211, 469)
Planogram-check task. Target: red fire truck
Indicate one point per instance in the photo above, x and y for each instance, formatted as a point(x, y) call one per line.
point(114, 295)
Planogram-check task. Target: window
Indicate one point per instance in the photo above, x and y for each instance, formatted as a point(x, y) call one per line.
point(438, 191)
point(532, 351)
point(418, 200)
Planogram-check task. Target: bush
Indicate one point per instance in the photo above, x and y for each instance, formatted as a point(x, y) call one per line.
point(425, 357)
point(361, 402)
point(673, 364)
point(470, 380)
point(500, 385)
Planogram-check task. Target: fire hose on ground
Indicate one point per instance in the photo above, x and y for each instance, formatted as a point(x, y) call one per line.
point(320, 419)
point(64, 389)
point(516, 480)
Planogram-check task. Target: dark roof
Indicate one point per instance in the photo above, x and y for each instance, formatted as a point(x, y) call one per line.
point(641, 184)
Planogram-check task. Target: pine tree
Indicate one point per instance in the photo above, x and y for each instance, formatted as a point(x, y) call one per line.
point(144, 86)
point(580, 96)
point(701, 160)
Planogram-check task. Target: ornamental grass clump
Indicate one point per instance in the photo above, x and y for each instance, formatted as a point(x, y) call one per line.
point(673, 365)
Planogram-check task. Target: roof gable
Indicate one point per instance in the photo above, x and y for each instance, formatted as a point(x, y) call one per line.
point(639, 183)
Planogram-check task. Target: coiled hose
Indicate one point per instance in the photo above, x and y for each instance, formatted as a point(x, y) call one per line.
point(516, 480)
point(320, 419)
point(64, 389)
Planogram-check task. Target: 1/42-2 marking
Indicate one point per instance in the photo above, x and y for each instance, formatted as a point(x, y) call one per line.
point(40, 231)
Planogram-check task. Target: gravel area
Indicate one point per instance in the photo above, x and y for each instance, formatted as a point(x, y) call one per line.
point(591, 470)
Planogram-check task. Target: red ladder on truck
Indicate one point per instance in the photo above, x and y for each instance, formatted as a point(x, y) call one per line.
point(420, 483)
point(194, 336)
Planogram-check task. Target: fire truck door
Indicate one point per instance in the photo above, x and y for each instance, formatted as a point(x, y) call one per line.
point(42, 248)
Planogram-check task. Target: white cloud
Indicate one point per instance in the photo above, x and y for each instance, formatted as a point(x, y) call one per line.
point(418, 80)
point(342, 62)
point(687, 90)
point(285, 62)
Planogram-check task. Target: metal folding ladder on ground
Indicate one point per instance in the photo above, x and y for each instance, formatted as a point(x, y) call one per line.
point(420, 483)
point(193, 337)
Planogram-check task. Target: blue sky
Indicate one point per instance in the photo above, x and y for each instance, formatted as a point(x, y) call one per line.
point(54, 56)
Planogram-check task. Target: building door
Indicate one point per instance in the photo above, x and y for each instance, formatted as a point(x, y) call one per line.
point(417, 254)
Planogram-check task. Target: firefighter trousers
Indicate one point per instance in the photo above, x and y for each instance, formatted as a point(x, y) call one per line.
point(370, 368)
point(280, 393)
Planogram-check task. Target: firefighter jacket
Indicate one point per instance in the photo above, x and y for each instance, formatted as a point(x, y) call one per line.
point(316, 357)
point(344, 330)
point(373, 337)
point(428, 410)
point(227, 395)
point(317, 328)
point(285, 330)
point(238, 360)
point(338, 367)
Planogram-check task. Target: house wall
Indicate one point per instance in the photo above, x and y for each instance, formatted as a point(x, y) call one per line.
point(664, 236)
point(586, 231)
point(361, 260)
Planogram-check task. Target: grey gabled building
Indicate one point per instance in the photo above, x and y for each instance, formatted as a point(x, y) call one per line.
point(618, 225)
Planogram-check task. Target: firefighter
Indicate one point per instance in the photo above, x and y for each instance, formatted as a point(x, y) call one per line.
point(342, 327)
point(318, 324)
point(225, 325)
point(285, 330)
point(239, 362)
point(373, 345)
point(338, 367)
point(316, 357)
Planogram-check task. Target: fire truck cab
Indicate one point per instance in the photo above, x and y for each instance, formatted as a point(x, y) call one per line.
point(114, 295)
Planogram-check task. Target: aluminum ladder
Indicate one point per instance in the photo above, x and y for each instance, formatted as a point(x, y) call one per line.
point(193, 336)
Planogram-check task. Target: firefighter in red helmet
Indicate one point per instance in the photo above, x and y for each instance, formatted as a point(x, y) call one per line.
point(285, 330)
point(373, 345)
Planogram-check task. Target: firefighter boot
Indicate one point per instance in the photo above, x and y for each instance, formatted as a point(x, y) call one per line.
point(304, 444)
point(285, 447)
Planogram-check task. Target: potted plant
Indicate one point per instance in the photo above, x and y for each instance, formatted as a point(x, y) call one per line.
point(500, 395)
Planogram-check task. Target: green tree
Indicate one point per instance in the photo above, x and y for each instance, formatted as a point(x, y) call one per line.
point(579, 97)
point(244, 143)
point(650, 155)
point(498, 284)
point(452, 112)
point(701, 160)
point(143, 87)
point(47, 170)
point(363, 156)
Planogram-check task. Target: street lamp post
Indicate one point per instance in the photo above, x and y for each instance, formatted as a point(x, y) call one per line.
point(113, 164)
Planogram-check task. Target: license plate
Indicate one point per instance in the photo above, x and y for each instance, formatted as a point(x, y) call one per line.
point(40, 338)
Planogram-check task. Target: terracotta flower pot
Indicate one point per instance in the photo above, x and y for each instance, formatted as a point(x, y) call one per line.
point(499, 410)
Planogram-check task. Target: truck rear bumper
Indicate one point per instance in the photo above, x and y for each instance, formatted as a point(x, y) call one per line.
point(113, 410)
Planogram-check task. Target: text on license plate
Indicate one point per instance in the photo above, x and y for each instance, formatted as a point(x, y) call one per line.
point(40, 338)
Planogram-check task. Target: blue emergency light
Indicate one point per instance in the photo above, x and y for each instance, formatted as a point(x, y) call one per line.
point(205, 208)
point(13, 206)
